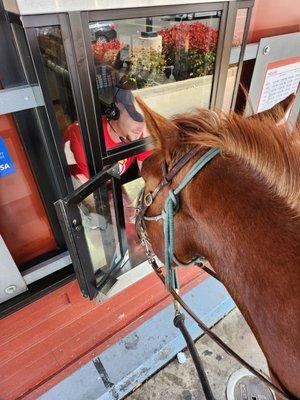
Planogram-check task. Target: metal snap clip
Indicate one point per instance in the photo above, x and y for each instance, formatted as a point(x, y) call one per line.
point(148, 199)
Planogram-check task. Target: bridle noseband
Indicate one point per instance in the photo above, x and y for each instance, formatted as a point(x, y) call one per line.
point(170, 208)
point(145, 201)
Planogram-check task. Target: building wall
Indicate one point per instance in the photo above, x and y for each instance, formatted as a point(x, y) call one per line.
point(23, 223)
point(274, 17)
point(52, 337)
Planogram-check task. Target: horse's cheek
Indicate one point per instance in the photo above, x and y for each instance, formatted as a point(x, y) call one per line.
point(155, 233)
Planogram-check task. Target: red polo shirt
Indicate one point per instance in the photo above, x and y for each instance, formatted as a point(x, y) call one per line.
point(73, 135)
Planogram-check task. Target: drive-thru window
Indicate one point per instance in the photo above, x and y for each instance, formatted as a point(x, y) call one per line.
point(89, 65)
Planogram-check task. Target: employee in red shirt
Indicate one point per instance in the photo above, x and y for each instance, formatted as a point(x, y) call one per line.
point(121, 124)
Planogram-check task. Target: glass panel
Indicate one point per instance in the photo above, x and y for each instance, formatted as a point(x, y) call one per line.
point(11, 70)
point(232, 71)
point(100, 230)
point(24, 224)
point(167, 60)
point(110, 257)
point(57, 75)
point(130, 192)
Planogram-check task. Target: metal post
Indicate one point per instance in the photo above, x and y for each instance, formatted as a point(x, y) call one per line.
point(241, 59)
point(226, 33)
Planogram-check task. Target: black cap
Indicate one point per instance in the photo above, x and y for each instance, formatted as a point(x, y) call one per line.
point(126, 98)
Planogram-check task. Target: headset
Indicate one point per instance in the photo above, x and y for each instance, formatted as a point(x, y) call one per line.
point(112, 112)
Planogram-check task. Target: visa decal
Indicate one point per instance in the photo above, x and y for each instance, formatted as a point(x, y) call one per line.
point(7, 166)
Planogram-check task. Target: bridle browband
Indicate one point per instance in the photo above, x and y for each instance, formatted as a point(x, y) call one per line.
point(170, 280)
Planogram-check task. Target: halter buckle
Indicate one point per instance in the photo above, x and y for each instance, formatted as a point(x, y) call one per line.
point(148, 199)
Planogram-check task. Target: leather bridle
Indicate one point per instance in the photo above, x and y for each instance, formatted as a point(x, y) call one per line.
point(144, 202)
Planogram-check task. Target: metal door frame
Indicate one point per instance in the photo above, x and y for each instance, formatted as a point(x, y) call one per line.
point(71, 224)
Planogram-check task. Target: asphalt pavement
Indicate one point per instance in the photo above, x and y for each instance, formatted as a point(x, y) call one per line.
point(179, 381)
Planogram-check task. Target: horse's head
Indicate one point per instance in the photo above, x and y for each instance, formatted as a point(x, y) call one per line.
point(241, 212)
point(173, 138)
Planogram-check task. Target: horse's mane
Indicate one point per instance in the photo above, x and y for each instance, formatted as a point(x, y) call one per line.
point(271, 151)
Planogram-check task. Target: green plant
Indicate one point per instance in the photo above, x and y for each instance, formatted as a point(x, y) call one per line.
point(146, 66)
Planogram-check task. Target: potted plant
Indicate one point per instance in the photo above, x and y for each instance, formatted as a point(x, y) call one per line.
point(190, 48)
point(146, 66)
point(107, 52)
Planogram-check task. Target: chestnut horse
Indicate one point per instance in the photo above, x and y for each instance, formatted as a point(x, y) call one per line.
point(242, 213)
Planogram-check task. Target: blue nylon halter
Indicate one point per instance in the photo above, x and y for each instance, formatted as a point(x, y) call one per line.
point(170, 207)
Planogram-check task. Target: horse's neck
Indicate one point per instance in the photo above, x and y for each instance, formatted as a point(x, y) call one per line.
point(250, 247)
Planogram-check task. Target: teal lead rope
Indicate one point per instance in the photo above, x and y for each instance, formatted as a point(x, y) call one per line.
point(171, 274)
point(171, 205)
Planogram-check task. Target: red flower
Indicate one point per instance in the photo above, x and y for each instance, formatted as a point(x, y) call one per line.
point(186, 36)
point(100, 49)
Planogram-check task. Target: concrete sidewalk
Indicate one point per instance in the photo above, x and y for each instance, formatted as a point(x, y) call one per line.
point(180, 382)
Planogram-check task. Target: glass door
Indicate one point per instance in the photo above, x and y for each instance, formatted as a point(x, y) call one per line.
point(94, 228)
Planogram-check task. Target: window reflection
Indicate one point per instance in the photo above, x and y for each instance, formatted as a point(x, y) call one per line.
point(130, 193)
point(58, 79)
point(101, 231)
point(163, 52)
point(168, 61)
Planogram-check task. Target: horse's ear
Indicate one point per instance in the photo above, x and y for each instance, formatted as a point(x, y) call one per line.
point(163, 131)
point(280, 112)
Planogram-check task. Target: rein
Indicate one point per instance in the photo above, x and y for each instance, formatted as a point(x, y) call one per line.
point(171, 206)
